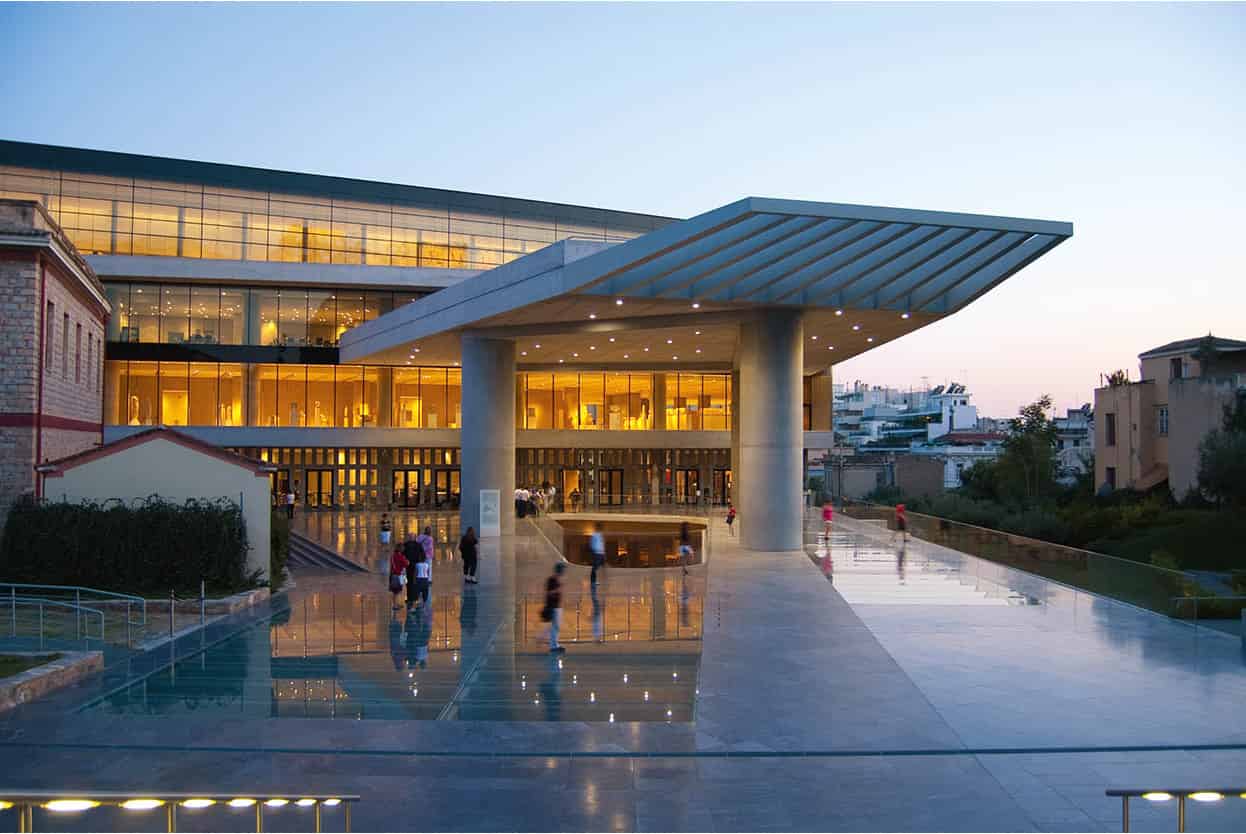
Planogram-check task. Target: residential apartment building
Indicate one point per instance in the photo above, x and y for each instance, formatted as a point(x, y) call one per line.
point(1075, 442)
point(1149, 431)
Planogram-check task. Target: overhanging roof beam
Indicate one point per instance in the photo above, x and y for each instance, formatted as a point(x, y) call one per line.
point(789, 289)
point(936, 266)
point(730, 262)
point(634, 279)
point(989, 276)
point(855, 276)
point(912, 263)
point(854, 231)
point(950, 277)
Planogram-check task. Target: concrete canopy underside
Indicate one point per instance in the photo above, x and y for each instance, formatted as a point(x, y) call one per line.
point(676, 297)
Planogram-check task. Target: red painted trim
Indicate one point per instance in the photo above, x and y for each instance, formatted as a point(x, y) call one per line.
point(59, 467)
point(42, 314)
point(50, 421)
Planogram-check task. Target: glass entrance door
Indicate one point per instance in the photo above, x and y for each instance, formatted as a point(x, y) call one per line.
point(279, 483)
point(610, 482)
point(722, 487)
point(319, 488)
point(447, 489)
point(407, 488)
point(687, 482)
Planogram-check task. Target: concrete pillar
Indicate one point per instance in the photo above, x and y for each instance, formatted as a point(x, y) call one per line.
point(487, 437)
point(771, 439)
point(384, 396)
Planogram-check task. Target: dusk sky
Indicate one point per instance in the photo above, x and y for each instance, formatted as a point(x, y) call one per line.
point(1127, 120)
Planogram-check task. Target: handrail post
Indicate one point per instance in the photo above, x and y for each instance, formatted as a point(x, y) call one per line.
point(171, 818)
point(1181, 814)
point(13, 613)
point(78, 612)
point(172, 602)
point(1125, 813)
point(202, 604)
point(128, 641)
point(40, 625)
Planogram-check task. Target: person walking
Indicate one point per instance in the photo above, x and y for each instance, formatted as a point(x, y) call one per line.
point(731, 518)
point(552, 612)
point(597, 547)
point(685, 546)
point(828, 517)
point(422, 547)
point(468, 546)
point(423, 580)
point(290, 493)
point(902, 524)
point(397, 574)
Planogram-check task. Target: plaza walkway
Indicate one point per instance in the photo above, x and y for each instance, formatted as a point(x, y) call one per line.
point(831, 689)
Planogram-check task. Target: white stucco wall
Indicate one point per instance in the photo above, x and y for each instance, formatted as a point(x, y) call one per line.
point(176, 473)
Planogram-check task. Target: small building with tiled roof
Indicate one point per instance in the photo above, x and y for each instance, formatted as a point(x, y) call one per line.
point(175, 466)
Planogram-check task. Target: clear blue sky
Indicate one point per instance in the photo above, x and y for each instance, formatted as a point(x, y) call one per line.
point(1127, 120)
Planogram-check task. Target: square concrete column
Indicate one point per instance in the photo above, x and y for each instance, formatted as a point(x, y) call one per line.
point(487, 438)
point(771, 437)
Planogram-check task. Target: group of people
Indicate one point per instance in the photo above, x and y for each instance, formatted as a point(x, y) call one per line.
point(411, 566)
point(534, 501)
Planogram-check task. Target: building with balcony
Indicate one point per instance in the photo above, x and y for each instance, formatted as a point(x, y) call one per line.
point(384, 344)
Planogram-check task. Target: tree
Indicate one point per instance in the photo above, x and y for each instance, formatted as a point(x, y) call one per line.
point(1222, 457)
point(1028, 466)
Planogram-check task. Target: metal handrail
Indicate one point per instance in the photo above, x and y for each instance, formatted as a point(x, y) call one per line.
point(69, 802)
point(80, 591)
point(79, 610)
point(1167, 795)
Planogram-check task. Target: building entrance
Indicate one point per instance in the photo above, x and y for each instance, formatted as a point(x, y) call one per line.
point(446, 494)
point(610, 487)
point(722, 487)
point(279, 485)
point(319, 492)
point(687, 483)
point(407, 485)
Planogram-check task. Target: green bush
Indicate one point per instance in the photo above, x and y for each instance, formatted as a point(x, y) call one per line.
point(279, 540)
point(151, 547)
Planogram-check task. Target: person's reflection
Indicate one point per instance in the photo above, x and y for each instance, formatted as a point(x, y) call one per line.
point(419, 632)
point(900, 557)
point(396, 652)
point(828, 567)
point(467, 612)
point(599, 629)
point(685, 617)
point(551, 690)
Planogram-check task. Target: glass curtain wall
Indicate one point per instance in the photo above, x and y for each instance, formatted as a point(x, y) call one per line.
point(127, 216)
point(353, 396)
point(206, 314)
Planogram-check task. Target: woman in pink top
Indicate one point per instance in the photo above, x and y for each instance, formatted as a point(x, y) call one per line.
point(828, 516)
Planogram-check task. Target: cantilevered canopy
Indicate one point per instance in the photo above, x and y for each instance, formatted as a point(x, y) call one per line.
point(863, 275)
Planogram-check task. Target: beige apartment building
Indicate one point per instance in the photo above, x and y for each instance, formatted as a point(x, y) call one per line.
point(1149, 431)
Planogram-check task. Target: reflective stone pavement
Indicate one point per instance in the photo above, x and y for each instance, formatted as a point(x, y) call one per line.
point(936, 700)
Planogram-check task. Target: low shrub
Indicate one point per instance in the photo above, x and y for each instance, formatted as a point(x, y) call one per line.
point(279, 540)
point(150, 547)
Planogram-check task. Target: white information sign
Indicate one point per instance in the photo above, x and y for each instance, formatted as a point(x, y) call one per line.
point(490, 513)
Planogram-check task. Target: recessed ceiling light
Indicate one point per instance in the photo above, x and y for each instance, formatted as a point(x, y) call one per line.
point(592, 315)
point(612, 338)
point(646, 350)
point(904, 315)
point(417, 350)
point(560, 361)
point(696, 305)
point(839, 312)
point(670, 341)
point(815, 338)
point(619, 301)
point(856, 327)
point(592, 347)
point(870, 339)
point(576, 355)
point(696, 332)
point(698, 350)
point(523, 353)
point(538, 347)
point(627, 356)
point(830, 347)
point(675, 357)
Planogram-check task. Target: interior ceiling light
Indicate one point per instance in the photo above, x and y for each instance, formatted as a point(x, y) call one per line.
point(698, 350)
point(869, 339)
point(675, 358)
point(696, 305)
point(830, 347)
point(592, 315)
point(856, 327)
point(332, 802)
point(523, 353)
point(277, 802)
point(839, 312)
point(627, 356)
point(612, 338)
point(1207, 796)
point(815, 338)
point(141, 804)
point(560, 361)
point(241, 802)
point(670, 341)
point(575, 356)
point(646, 350)
point(197, 803)
point(537, 346)
point(904, 315)
point(1157, 796)
point(305, 803)
point(592, 347)
point(619, 301)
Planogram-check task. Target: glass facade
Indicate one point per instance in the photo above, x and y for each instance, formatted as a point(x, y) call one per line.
point(622, 401)
point(228, 315)
point(127, 216)
point(145, 393)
